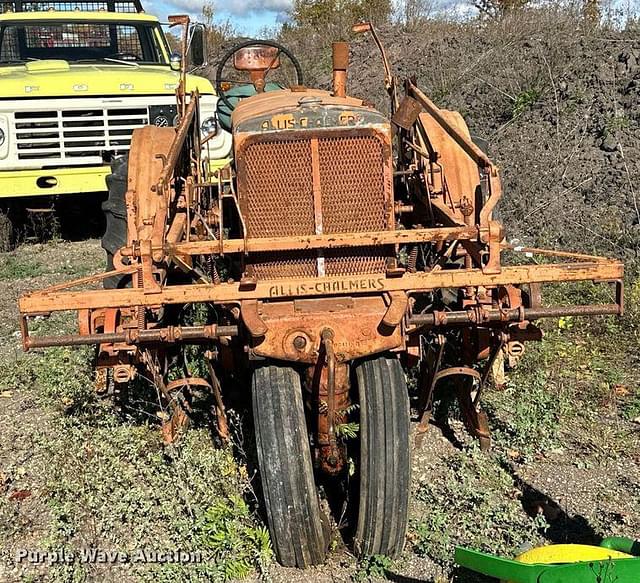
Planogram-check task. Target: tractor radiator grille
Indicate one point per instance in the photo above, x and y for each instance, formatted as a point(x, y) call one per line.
point(310, 185)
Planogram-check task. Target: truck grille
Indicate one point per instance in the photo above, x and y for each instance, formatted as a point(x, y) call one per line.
point(73, 135)
point(276, 186)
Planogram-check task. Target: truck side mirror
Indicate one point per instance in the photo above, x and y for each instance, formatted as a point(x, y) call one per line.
point(197, 46)
point(175, 61)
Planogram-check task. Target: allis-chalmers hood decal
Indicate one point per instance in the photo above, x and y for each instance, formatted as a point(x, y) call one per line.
point(312, 117)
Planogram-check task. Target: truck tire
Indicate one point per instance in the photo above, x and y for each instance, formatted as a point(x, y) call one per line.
point(6, 232)
point(296, 524)
point(385, 460)
point(115, 212)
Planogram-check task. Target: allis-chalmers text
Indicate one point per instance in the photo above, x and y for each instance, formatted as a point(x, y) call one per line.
point(326, 287)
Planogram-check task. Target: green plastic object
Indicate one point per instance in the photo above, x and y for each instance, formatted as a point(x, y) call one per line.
point(618, 570)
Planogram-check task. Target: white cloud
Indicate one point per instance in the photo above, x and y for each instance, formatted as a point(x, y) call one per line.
point(190, 6)
point(241, 7)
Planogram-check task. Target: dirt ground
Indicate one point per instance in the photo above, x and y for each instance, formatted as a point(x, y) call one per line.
point(77, 473)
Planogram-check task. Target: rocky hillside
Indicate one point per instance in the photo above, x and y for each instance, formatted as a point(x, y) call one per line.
point(556, 102)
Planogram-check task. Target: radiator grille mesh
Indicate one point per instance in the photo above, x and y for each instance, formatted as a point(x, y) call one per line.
point(279, 189)
point(276, 189)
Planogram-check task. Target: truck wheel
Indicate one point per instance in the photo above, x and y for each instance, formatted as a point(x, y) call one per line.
point(115, 212)
point(385, 461)
point(296, 523)
point(6, 232)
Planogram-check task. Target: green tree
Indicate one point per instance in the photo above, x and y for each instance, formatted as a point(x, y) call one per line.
point(339, 13)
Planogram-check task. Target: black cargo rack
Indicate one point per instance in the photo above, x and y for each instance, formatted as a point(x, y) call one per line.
point(71, 6)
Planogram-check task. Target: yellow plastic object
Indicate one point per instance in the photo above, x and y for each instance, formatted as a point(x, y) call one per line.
point(569, 554)
point(561, 554)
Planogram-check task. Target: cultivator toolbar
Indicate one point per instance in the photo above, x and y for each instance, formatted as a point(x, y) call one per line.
point(60, 298)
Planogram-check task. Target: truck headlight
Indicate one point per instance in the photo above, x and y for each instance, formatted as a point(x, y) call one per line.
point(209, 126)
point(218, 144)
point(5, 136)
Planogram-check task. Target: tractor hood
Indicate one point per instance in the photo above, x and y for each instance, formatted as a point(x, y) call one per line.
point(303, 109)
point(57, 78)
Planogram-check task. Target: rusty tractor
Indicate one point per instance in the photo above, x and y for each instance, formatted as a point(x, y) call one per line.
point(338, 249)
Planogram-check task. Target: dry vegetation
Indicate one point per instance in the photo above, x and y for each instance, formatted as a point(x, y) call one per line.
point(555, 98)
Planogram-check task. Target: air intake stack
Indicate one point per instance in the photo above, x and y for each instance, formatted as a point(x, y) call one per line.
point(340, 52)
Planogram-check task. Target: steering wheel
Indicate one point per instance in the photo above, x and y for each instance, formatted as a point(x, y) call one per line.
point(261, 74)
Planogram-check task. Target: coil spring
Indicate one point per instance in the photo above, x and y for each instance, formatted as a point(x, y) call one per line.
point(412, 260)
point(142, 324)
point(213, 270)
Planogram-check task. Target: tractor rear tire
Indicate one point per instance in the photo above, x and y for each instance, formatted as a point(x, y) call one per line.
point(115, 212)
point(297, 526)
point(385, 459)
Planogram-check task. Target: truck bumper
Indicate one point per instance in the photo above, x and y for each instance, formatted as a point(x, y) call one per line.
point(16, 183)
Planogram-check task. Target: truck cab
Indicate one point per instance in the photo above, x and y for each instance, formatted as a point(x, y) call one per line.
point(76, 78)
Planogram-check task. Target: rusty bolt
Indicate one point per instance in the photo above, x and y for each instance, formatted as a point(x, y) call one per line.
point(299, 342)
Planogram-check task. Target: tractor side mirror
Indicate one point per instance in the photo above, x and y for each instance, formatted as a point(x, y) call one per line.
point(198, 46)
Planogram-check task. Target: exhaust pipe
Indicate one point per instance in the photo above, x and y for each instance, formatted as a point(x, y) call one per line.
point(340, 51)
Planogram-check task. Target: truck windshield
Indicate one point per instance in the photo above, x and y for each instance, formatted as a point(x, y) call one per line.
point(81, 41)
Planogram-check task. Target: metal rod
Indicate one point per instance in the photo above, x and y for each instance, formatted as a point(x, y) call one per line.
point(170, 334)
point(321, 241)
point(327, 342)
point(493, 315)
point(177, 145)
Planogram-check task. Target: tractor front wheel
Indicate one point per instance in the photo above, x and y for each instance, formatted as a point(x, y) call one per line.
point(385, 460)
point(298, 531)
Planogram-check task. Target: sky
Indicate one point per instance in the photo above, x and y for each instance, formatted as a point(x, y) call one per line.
point(248, 16)
point(252, 16)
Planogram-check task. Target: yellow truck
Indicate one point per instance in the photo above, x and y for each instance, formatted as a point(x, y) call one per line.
point(76, 78)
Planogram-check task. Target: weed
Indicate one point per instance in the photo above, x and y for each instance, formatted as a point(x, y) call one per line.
point(61, 377)
point(529, 411)
point(6, 233)
point(525, 100)
point(616, 122)
point(347, 430)
point(372, 567)
point(12, 267)
point(237, 545)
point(111, 484)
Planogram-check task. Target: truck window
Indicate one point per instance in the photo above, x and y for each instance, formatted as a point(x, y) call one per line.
point(79, 41)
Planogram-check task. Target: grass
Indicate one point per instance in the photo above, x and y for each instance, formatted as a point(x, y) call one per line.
point(11, 268)
point(524, 101)
point(372, 567)
point(563, 387)
point(31, 261)
point(105, 482)
point(572, 376)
